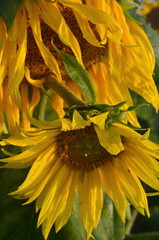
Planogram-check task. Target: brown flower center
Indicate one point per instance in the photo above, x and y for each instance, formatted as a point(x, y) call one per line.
point(81, 150)
point(34, 60)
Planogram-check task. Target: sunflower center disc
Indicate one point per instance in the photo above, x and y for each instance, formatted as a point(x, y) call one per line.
point(81, 150)
point(34, 60)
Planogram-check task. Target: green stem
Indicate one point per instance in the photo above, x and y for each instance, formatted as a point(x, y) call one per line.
point(130, 222)
point(42, 106)
point(143, 236)
point(63, 92)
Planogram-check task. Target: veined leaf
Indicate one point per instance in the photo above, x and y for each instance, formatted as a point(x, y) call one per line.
point(78, 74)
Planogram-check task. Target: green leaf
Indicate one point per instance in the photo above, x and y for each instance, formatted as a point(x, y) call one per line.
point(8, 9)
point(74, 229)
point(110, 226)
point(78, 74)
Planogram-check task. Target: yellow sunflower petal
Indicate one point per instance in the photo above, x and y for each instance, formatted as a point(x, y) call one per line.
point(30, 138)
point(64, 216)
point(49, 59)
point(90, 200)
point(58, 24)
point(26, 158)
point(66, 124)
point(86, 29)
point(93, 14)
point(55, 200)
point(104, 82)
point(99, 120)
point(3, 51)
point(131, 186)
point(1, 109)
point(57, 104)
point(39, 187)
point(145, 157)
point(18, 37)
point(142, 171)
point(142, 70)
point(96, 16)
point(37, 83)
point(42, 124)
point(110, 140)
point(39, 168)
point(112, 188)
point(78, 122)
point(125, 131)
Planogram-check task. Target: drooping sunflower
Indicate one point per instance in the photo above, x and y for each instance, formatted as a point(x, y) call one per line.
point(110, 46)
point(84, 156)
point(30, 42)
point(26, 52)
point(111, 51)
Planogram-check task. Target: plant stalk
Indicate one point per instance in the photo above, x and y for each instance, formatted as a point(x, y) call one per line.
point(63, 92)
point(143, 236)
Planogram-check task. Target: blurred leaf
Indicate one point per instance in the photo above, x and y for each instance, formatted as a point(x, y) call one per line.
point(8, 9)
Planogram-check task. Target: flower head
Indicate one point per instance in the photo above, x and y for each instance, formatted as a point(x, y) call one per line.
point(67, 156)
point(27, 54)
point(29, 42)
point(98, 34)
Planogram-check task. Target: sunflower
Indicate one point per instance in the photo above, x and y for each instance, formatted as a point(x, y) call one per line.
point(29, 42)
point(150, 9)
point(112, 53)
point(26, 52)
point(96, 33)
point(84, 156)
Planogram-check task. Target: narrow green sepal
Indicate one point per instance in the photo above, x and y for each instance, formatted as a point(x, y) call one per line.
point(108, 108)
point(78, 74)
point(94, 109)
point(133, 108)
point(123, 113)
